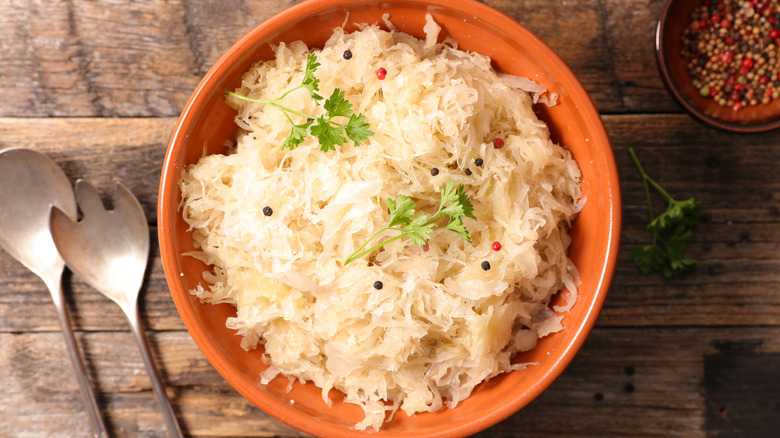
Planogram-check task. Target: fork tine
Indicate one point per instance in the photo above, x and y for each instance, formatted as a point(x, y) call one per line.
point(125, 201)
point(127, 205)
point(88, 197)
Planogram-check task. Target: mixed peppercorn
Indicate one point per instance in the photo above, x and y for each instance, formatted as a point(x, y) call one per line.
point(732, 50)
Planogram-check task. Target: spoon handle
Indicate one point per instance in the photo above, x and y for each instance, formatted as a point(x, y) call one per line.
point(88, 396)
point(154, 374)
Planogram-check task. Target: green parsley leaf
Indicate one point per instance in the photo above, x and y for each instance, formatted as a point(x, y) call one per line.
point(297, 134)
point(310, 82)
point(454, 205)
point(419, 229)
point(337, 105)
point(463, 199)
point(686, 213)
point(357, 129)
point(329, 133)
point(456, 225)
point(672, 231)
point(401, 213)
point(448, 193)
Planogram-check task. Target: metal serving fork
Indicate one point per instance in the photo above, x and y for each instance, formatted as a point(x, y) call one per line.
point(109, 250)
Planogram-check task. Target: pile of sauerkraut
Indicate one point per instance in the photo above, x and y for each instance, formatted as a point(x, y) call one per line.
point(441, 323)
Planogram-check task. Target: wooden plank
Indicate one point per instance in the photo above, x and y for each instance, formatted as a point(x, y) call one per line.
point(41, 398)
point(653, 385)
point(101, 151)
point(139, 59)
point(83, 58)
point(743, 394)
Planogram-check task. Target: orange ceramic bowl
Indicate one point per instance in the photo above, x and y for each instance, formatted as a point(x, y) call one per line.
point(208, 120)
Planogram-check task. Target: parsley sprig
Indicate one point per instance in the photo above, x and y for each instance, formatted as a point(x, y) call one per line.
point(672, 231)
point(454, 204)
point(329, 132)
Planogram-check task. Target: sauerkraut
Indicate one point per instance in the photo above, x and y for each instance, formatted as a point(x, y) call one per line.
point(441, 323)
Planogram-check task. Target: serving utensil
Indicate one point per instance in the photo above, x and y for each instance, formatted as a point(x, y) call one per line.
point(30, 185)
point(109, 250)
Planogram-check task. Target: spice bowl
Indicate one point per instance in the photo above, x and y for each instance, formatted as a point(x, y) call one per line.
point(675, 18)
point(207, 123)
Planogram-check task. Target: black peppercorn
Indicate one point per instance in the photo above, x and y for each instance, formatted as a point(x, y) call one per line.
point(468, 171)
point(479, 162)
point(486, 265)
point(347, 54)
point(268, 211)
point(434, 171)
point(378, 285)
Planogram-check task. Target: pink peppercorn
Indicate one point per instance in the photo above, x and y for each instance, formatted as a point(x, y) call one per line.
point(496, 246)
point(498, 143)
point(381, 73)
point(747, 63)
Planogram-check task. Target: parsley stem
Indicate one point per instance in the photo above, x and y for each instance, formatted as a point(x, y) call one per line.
point(356, 256)
point(644, 182)
point(288, 92)
point(269, 102)
point(435, 218)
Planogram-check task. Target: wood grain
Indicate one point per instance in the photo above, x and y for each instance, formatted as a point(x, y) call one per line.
point(654, 383)
point(98, 86)
point(742, 393)
point(77, 58)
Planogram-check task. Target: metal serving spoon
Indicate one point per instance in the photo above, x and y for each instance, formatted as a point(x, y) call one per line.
point(30, 184)
point(109, 250)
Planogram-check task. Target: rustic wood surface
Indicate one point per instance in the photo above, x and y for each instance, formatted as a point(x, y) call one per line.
point(98, 86)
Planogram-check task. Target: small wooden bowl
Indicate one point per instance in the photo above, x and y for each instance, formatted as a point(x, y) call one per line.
point(675, 17)
point(207, 122)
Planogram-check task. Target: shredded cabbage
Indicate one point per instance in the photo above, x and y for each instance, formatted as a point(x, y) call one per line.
point(440, 324)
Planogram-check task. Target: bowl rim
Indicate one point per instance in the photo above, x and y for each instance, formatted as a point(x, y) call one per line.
point(671, 85)
point(167, 198)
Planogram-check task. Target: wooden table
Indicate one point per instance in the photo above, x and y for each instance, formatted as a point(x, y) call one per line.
point(98, 85)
